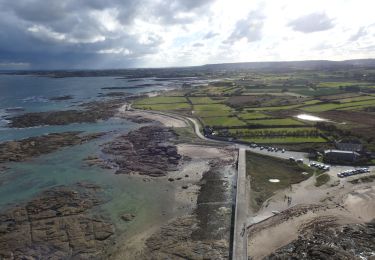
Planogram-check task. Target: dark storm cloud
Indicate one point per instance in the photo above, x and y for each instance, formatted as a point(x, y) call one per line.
point(69, 32)
point(249, 28)
point(310, 23)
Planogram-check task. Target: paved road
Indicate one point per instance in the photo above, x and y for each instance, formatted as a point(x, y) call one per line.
point(196, 129)
point(241, 210)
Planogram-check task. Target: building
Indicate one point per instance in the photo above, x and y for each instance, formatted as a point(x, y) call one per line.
point(355, 146)
point(340, 156)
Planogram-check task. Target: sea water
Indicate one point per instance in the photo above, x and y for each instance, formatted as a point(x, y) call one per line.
point(32, 94)
point(151, 200)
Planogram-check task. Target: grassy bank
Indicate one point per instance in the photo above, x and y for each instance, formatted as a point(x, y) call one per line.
point(262, 168)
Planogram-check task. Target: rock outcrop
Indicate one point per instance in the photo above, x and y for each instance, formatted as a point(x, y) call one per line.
point(205, 234)
point(21, 150)
point(90, 113)
point(146, 151)
point(324, 240)
point(57, 224)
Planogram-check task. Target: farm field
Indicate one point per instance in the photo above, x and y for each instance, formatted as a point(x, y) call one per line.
point(206, 100)
point(223, 121)
point(337, 84)
point(275, 122)
point(261, 106)
point(332, 106)
point(319, 92)
point(285, 131)
point(212, 113)
point(252, 115)
point(354, 99)
point(211, 107)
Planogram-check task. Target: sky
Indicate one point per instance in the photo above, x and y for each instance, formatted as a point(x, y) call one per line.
point(105, 34)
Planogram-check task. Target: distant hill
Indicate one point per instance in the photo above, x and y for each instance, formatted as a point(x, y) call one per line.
point(294, 65)
point(196, 71)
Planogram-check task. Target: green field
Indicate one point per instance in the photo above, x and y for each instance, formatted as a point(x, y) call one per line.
point(318, 92)
point(262, 168)
point(252, 115)
point(212, 113)
point(273, 108)
point(205, 100)
point(355, 99)
point(283, 131)
point(337, 84)
point(275, 122)
point(223, 121)
point(267, 115)
point(160, 100)
point(211, 107)
point(332, 106)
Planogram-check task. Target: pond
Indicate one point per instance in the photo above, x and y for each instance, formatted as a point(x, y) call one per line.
point(310, 118)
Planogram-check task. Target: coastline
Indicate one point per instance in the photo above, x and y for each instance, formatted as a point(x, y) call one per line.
point(187, 180)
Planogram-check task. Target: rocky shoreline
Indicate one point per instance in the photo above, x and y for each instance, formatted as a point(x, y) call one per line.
point(90, 113)
point(56, 224)
point(204, 234)
point(21, 150)
point(148, 150)
point(326, 240)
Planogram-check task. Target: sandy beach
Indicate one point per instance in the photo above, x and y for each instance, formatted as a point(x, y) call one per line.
point(339, 205)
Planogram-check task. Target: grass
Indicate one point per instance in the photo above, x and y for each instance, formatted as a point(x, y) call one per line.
point(286, 107)
point(160, 100)
point(261, 168)
point(212, 113)
point(222, 121)
point(284, 140)
point(354, 99)
point(274, 108)
point(164, 107)
point(252, 115)
point(205, 100)
point(283, 131)
point(322, 179)
point(332, 106)
point(356, 108)
point(337, 84)
point(276, 122)
point(187, 135)
point(318, 92)
point(211, 107)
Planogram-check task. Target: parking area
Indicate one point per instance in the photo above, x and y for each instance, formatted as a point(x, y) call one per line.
point(277, 152)
point(338, 172)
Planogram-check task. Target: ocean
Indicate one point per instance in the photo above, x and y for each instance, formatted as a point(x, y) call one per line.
point(150, 202)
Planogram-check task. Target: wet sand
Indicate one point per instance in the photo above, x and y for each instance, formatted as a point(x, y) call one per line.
point(198, 161)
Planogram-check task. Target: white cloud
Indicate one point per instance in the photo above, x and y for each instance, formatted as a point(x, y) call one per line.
point(179, 33)
point(122, 51)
